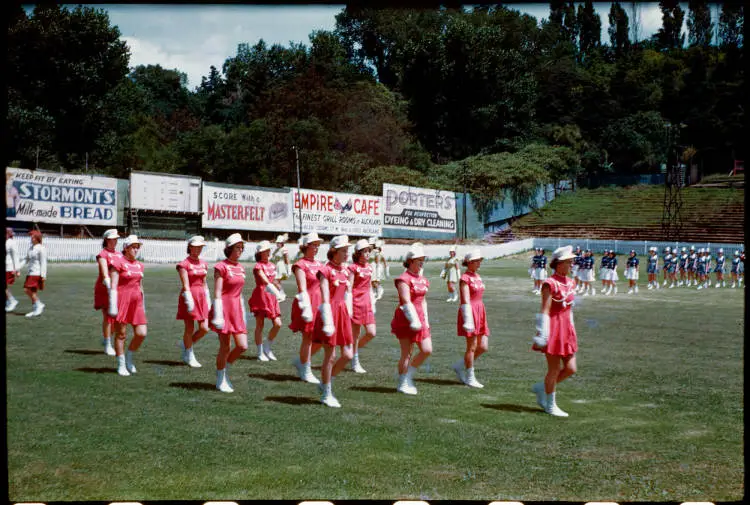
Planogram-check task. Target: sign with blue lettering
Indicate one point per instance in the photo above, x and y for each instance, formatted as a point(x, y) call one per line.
point(52, 197)
point(418, 208)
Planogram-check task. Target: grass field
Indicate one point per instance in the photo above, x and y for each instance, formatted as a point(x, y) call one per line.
point(656, 410)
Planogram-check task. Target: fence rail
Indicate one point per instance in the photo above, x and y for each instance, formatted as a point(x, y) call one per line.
point(639, 246)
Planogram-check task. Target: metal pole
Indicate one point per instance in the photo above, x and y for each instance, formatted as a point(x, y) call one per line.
point(299, 189)
point(37, 157)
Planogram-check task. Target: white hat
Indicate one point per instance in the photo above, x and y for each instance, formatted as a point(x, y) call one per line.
point(372, 240)
point(112, 233)
point(721, 251)
point(310, 238)
point(263, 245)
point(452, 249)
point(197, 240)
point(415, 251)
point(379, 243)
point(563, 253)
point(234, 238)
point(684, 249)
point(668, 249)
point(362, 243)
point(130, 240)
point(339, 241)
point(692, 248)
point(282, 238)
point(736, 253)
point(475, 254)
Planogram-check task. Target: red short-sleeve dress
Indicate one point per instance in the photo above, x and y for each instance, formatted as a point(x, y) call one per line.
point(262, 303)
point(310, 269)
point(233, 275)
point(337, 285)
point(476, 293)
point(101, 294)
point(130, 304)
point(562, 332)
point(418, 287)
point(197, 270)
point(361, 297)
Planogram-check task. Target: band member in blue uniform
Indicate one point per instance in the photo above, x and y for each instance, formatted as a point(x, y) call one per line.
point(612, 273)
point(719, 269)
point(735, 268)
point(586, 273)
point(604, 271)
point(701, 270)
point(631, 272)
point(652, 268)
point(682, 267)
point(576, 267)
point(692, 267)
point(672, 268)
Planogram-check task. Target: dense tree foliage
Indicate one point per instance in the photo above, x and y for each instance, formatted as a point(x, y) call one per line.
point(481, 98)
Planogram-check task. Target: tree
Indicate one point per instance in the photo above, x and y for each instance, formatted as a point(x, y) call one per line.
point(670, 35)
point(618, 29)
point(571, 28)
point(731, 24)
point(590, 30)
point(699, 24)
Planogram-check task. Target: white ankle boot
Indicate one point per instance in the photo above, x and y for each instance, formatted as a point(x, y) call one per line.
point(552, 408)
point(122, 369)
point(109, 350)
point(471, 380)
point(221, 382)
point(327, 397)
point(356, 366)
point(190, 358)
point(404, 387)
point(458, 367)
point(129, 362)
point(541, 396)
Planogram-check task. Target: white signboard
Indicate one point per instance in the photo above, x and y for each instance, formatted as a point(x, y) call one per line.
point(419, 208)
point(332, 213)
point(175, 193)
point(52, 197)
point(246, 208)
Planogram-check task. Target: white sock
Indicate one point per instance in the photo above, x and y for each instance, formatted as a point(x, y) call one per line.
point(410, 372)
point(550, 399)
point(260, 348)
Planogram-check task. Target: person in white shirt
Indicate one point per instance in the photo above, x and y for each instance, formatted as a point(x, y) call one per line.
point(12, 269)
point(36, 260)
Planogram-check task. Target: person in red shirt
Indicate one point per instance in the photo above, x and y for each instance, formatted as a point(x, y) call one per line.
point(306, 303)
point(264, 302)
point(472, 319)
point(104, 260)
point(363, 304)
point(333, 325)
point(556, 333)
point(194, 301)
point(127, 304)
point(228, 311)
point(411, 323)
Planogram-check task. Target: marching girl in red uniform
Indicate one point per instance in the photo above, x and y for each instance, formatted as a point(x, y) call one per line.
point(411, 323)
point(556, 333)
point(126, 303)
point(306, 303)
point(363, 304)
point(472, 319)
point(194, 302)
point(264, 302)
point(104, 260)
point(333, 324)
point(228, 312)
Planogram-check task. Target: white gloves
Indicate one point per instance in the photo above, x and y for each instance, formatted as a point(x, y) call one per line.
point(442, 273)
point(426, 314)
point(303, 300)
point(349, 303)
point(373, 302)
point(280, 295)
point(468, 317)
point(411, 315)
point(542, 330)
point(218, 320)
point(112, 311)
point(327, 315)
point(208, 296)
point(189, 302)
point(388, 271)
point(107, 283)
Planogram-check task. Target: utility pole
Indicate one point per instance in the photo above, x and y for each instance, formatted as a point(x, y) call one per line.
point(299, 189)
point(671, 221)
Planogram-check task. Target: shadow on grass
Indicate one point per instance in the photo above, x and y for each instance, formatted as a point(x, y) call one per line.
point(164, 362)
point(274, 377)
point(89, 369)
point(439, 382)
point(374, 389)
point(291, 400)
point(509, 407)
point(87, 352)
point(203, 386)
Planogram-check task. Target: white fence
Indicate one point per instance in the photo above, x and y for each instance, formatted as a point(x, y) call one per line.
point(639, 246)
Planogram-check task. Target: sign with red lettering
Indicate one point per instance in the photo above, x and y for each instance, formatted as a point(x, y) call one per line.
point(332, 213)
point(246, 208)
point(419, 208)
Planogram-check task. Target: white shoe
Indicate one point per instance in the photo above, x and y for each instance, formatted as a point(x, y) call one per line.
point(221, 382)
point(650, 287)
point(671, 286)
point(308, 375)
point(538, 389)
point(39, 308)
point(109, 350)
point(330, 401)
point(191, 361)
point(615, 291)
point(300, 367)
point(262, 356)
point(718, 286)
point(33, 311)
point(593, 292)
point(556, 411)
point(700, 287)
point(121, 368)
point(471, 380)
point(458, 367)
point(270, 355)
point(10, 305)
point(404, 387)
point(636, 289)
point(630, 291)
point(129, 362)
point(733, 285)
point(356, 366)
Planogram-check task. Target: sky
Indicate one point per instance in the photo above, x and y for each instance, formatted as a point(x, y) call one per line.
point(191, 38)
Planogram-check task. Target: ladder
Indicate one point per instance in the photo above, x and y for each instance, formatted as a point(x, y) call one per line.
point(134, 221)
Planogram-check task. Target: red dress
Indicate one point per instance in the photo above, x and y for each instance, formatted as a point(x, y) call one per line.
point(261, 302)
point(337, 285)
point(310, 269)
point(130, 306)
point(418, 287)
point(562, 333)
point(231, 297)
point(101, 294)
point(197, 272)
point(476, 292)
point(361, 303)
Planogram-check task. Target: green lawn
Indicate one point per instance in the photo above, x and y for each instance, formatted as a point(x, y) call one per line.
point(656, 410)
